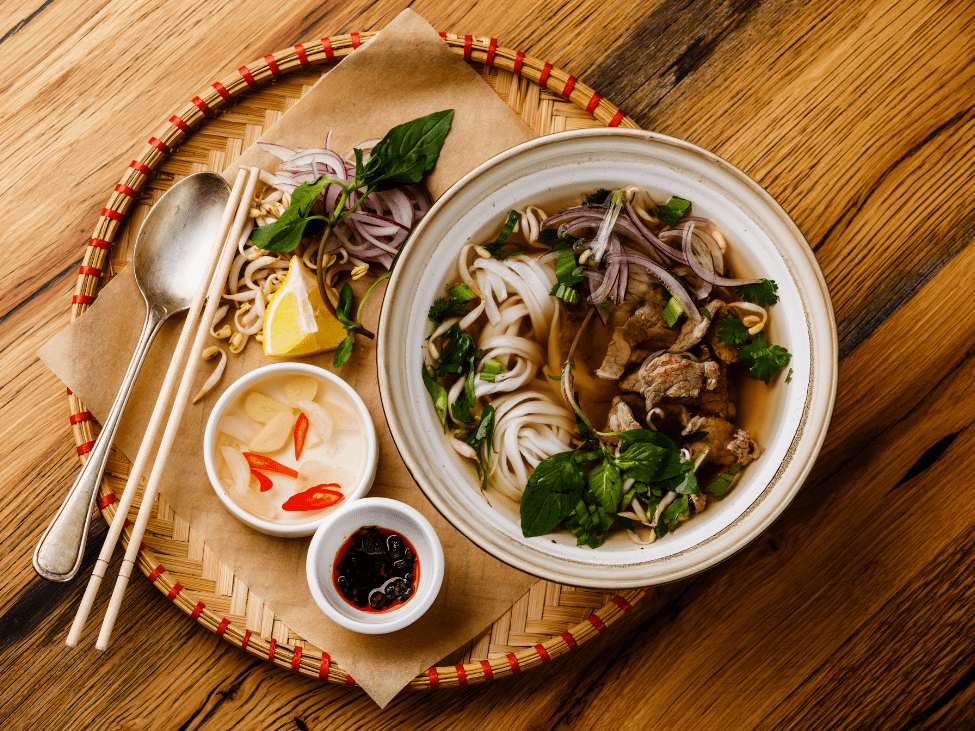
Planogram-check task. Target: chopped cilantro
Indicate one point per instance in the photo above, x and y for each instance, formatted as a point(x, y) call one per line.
point(706, 312)
point(731, 330)
point(762, 294)
point(788, 378)
point(674, 210)
point(548, 234)
point(598, 198)
point(672, 312)
point(444, 308)
point(765, 359)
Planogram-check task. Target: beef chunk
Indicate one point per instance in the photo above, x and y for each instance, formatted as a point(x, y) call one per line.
point(676, 377)
point(719, 433)
point(645, 325)
point(744, 448)
point(692, 332)
point(621, 418)
point(726, 446)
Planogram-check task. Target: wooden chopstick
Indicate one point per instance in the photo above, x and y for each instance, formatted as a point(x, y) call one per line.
point(176, 366)
point(226, 258)
point(221, 257)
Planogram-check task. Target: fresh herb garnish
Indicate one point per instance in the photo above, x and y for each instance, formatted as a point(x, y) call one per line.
point(765, 359)
point(567, 273)
point(673, 211)
point(598, 198)
point(438, 393)
point(672, 312)
point(552, 493)
point(403, 156)
point(443, 308)
point(496, 247)
point(763, 294)
point(722, 482)
point(406, 153)
point(731, 330)
point(788, 378)
point(490, 370)
point(481, 439)
point(456, 351)
point(461, 292)
point(670, 515)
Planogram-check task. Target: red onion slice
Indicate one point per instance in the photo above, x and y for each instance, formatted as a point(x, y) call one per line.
point(666, 278)
point(702, 272)
point(649, 238)
point(279, 151)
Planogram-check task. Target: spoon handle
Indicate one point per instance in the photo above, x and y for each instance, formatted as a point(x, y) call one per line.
point(58, 553)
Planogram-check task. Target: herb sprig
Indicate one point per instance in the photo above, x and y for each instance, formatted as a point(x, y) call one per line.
point(403, 156)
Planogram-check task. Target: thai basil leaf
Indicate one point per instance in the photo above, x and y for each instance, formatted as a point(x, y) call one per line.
point(286, 233)
point(407, 151)
point(606, 486)
point(552, 492)
point(647, 462)
point(684, 483)
point(343, 352)
point(669, 517)
point(343, 310)
point(637, 436)
point(692, 437)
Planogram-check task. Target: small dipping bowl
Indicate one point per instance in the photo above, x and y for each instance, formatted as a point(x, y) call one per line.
point(332, 535)
point(269, 380)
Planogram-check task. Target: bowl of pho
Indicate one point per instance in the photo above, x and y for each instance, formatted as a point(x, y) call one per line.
point(608, 357)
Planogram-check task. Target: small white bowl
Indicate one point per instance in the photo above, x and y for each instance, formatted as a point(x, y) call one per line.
point(253, 380)
point(789, 419)
point(336, 529)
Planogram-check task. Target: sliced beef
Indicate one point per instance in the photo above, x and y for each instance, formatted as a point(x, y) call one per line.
point(644, 326)
point(621, 418)
point(744, 448)
point(716, 401)
point(726, 445)
point(676, 377)
point(720, 432)
point(692, 332)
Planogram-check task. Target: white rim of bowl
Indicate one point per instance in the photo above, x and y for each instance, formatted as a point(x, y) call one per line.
point(424, 598)
point(296, 530)
point(812, 435)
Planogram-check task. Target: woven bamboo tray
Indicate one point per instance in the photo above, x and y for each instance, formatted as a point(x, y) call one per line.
point(209, 133)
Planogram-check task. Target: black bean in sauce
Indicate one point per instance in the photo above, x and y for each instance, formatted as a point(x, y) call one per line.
point(376, 569)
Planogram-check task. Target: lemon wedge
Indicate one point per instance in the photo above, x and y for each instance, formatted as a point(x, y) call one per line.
point(297, 321)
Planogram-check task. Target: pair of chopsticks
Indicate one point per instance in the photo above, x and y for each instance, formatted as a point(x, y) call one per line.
point(195, 328)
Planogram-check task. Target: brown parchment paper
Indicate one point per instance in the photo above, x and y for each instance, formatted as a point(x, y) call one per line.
point(405, 72)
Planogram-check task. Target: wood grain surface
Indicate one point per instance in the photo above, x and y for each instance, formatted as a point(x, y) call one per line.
point(851, 612)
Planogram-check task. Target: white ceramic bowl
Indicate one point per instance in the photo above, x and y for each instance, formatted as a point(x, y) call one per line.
point(385, 513)
point(269, 374)
point(789, 420)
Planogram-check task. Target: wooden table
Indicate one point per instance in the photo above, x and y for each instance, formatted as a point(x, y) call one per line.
point(851, 611)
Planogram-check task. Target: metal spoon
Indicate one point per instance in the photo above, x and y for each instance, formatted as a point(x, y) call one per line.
point(169, 262)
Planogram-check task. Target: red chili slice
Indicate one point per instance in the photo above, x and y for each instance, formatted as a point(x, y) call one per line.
point(314, 498)
point(301, 431)
point(263, 480)
point(260, 462)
